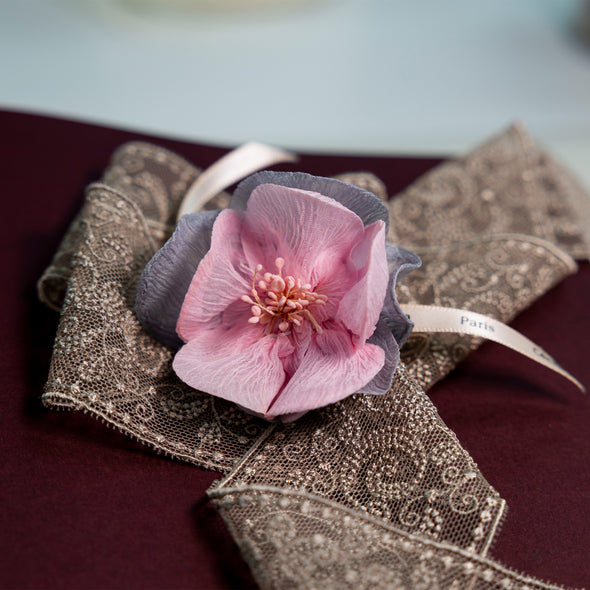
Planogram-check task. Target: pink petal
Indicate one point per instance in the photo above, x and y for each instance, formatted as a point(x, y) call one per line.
point(236, 364)
point(360, 307)
point(365, 204)
point(332, 369)
point(220, 280)
point(311, 232)
point(300, 340)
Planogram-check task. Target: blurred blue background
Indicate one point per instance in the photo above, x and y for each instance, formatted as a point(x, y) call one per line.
point(381, 76)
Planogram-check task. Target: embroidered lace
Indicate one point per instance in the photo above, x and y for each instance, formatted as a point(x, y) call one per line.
point(375, 491)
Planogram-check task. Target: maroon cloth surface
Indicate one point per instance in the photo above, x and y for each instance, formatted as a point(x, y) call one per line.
point(85, 507)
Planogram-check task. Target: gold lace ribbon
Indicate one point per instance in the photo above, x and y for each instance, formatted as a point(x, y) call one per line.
point(374, 491)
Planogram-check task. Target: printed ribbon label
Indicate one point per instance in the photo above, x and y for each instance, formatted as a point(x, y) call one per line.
point(433, 318)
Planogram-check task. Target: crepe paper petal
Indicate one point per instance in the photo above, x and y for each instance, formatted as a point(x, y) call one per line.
point(383, 337)
point(236, 365)
point(332, 369)
point(287, 301)
point(222, 278)
point(167, 276)
point(360, 307)
point(313, 233)
point(301, 340)
point(400, 262)
point(362, 202)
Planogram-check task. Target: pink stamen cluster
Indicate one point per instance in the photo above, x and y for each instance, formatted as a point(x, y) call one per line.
point(280, 302)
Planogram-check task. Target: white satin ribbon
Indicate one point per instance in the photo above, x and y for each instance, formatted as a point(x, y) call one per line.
point(253, 156)
point(234, 166)
point(432, 318)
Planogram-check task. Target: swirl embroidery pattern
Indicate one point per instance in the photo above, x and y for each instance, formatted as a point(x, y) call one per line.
point(507, 185)
point(103, 361)
point(388, 456)
point(300, 541)
point(370, 492)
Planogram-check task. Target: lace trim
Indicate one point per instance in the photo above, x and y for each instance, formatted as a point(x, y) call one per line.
point(508, 185)
point(384, 469)
point(388, 456)
point(294, 539)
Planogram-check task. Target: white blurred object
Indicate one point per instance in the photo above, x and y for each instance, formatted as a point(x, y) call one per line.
point(380, 76)
point(158, 6)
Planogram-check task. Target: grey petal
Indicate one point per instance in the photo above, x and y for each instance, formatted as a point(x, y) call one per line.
point(400, 262)
point(365, 204)
point(167, 276)
point(383, 337)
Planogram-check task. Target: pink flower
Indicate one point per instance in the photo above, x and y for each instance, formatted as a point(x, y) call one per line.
point(291, 306)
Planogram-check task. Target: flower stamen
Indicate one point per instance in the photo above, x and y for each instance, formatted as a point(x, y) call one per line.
point(281, 302)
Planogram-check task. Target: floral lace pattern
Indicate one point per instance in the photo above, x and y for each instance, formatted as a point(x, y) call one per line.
point(297, 540)
point(103, 361)
point(507, 185)
point(374, 491)
point(388, 456)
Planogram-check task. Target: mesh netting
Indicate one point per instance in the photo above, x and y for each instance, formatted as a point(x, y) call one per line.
point(372, 492)
point(103, 361)
point(294, 540)
point(507, 185)
point(388, 456)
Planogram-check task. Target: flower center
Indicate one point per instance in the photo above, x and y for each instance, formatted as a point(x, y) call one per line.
point(281, 302)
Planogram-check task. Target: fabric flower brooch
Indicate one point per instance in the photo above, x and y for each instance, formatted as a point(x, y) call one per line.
point(285, 301)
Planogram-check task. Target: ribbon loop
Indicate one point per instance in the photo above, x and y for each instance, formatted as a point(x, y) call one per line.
point(231, 168)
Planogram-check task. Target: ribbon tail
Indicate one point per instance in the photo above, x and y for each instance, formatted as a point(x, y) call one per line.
point(433, 318)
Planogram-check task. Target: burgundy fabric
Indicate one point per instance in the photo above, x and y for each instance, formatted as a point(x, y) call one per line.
point(85, 507)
